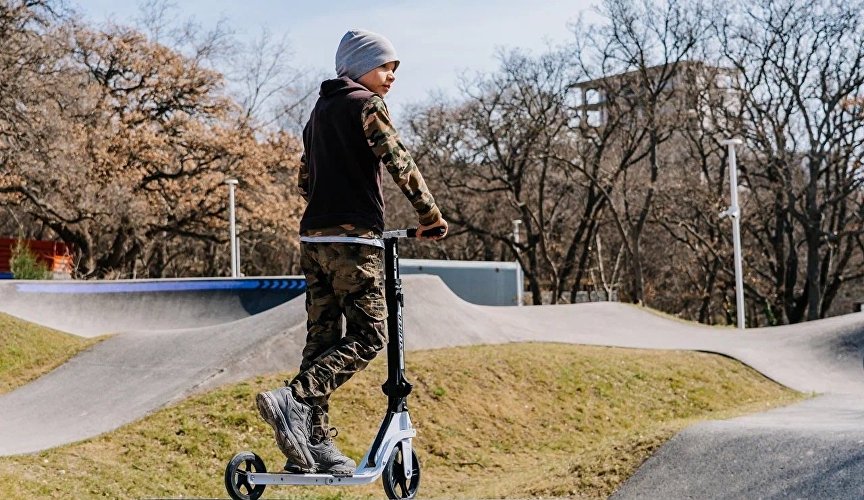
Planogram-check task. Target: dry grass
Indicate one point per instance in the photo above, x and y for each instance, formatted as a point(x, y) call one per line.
point(28, 351)
point(519, 420)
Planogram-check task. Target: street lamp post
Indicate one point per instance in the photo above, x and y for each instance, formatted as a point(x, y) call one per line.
point(734, 212)
point(519, 280)
point(235, 262)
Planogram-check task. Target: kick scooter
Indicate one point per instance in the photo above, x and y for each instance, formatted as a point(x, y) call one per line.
point(391, 454)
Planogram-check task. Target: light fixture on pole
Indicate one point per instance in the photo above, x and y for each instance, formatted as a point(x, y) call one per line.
point(233, 227)
point(734, 212)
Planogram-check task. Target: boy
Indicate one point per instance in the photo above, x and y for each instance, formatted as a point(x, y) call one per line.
point(347, 141)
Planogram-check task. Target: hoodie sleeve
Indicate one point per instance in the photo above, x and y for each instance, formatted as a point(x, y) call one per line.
point(303, 178)
point(388, 148)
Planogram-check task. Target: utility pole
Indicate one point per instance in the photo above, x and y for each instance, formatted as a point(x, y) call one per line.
point(734, 212)
point(235, 260)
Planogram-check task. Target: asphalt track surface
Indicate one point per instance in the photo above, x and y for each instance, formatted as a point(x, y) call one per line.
point(814, 449)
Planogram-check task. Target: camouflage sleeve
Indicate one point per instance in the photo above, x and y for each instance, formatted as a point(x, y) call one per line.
point(303, 178)
point(388, 148)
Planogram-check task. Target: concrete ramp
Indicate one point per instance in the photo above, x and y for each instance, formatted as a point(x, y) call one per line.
point(807, 450)
point(132, 374)
point(825, 356)
point(814, 449)
point(92, 308)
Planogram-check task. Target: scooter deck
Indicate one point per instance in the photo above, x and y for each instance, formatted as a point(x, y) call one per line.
point(308, 474)
point(272, 478)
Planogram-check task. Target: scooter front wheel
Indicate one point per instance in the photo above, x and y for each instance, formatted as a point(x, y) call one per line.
point(236, 480)
point(396, 485)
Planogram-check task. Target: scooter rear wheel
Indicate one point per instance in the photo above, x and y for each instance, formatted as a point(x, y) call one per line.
point(236, 481)
point(396, 485)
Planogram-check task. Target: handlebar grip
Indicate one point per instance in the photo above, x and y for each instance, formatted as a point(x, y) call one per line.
point(438, 231)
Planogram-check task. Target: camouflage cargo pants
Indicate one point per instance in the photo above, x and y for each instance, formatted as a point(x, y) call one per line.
point(341, 279)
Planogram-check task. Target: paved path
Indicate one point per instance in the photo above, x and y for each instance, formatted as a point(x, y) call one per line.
point(806, 450)
point(814, 449)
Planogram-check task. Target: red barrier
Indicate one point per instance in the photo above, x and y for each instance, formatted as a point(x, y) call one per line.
point(54, 254)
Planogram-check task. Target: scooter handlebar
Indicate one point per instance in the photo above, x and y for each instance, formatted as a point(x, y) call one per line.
point(411, 232)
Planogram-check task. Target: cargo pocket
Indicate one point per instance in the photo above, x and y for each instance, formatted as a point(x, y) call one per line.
point(369, 315)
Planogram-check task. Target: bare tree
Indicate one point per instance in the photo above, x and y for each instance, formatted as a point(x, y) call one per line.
point(491, 158)
point(801, 62)
point(695, 191)
point(635, 60)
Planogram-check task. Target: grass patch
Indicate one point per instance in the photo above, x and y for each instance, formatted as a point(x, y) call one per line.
point(518, 420)
point(28, 351)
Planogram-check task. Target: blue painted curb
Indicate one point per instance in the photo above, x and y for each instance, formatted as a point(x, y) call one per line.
point(294, 284)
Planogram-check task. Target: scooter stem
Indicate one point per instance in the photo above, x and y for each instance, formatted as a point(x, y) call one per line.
point(396, 387)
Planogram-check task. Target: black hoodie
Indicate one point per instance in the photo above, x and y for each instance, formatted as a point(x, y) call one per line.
point(344, 173)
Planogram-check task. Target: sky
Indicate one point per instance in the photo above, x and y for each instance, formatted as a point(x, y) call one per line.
point(439, 42)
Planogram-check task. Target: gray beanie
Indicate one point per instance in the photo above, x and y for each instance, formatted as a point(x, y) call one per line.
point(362, 51)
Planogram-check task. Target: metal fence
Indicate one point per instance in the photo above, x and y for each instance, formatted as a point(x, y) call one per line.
point(485, 283)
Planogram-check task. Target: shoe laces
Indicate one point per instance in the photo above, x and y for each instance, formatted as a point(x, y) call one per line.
point(330, 453)
point(328, 435)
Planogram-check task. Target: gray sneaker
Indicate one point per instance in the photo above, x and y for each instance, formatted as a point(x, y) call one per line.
point(291, 422)
point(328, 458)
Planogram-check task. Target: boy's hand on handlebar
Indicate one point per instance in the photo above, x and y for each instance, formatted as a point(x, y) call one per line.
point(423, 229)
